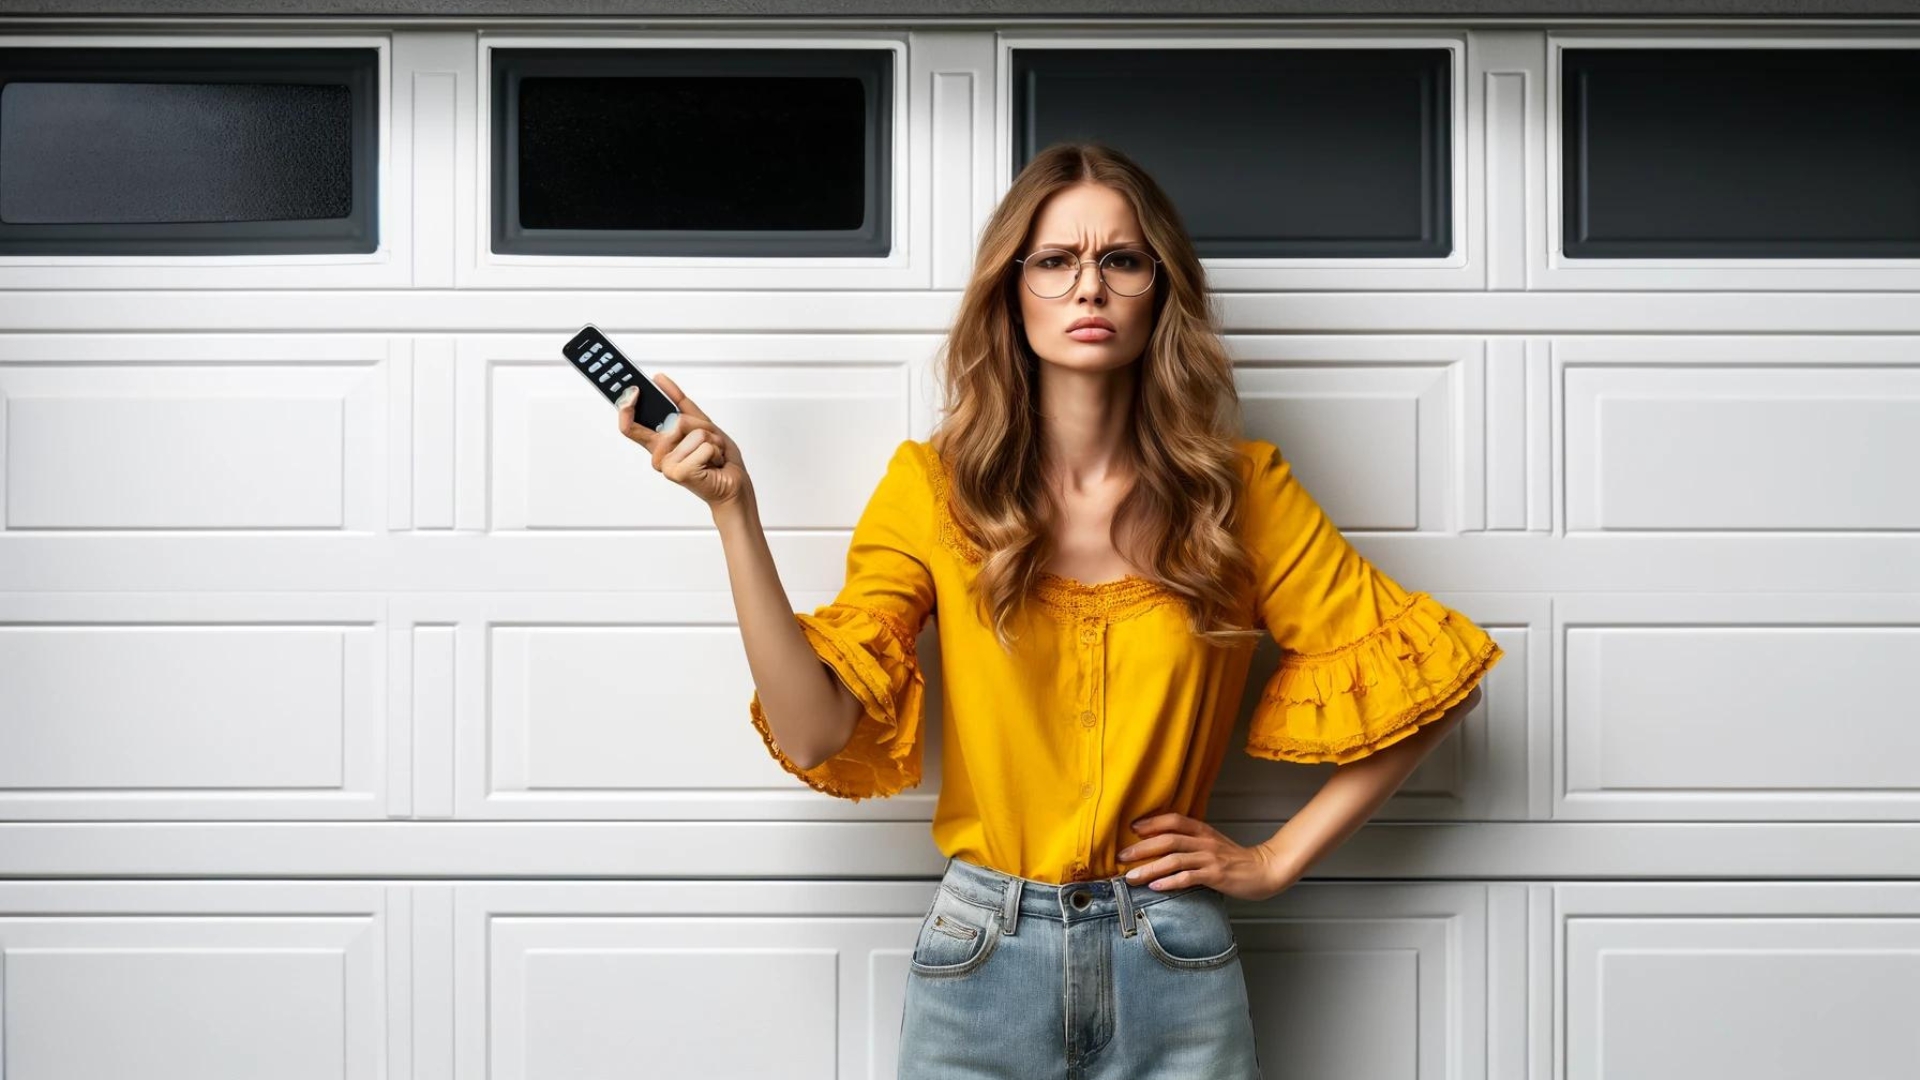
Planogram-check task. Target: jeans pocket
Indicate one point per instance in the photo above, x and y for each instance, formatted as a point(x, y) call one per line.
point(956, 937)
point(1189, 932)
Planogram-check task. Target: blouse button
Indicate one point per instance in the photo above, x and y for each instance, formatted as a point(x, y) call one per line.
point(1086, 718)
point(1089, 634)
point(1086, 791)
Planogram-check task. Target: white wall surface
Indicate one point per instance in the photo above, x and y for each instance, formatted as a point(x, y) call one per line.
point(361, 686)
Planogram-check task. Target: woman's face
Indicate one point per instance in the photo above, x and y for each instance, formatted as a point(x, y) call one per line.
point(1090, 219)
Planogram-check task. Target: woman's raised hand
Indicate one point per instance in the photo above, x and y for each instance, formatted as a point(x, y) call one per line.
point(692, 451)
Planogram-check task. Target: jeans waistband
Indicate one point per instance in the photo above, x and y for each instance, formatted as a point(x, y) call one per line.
point(1076, 901)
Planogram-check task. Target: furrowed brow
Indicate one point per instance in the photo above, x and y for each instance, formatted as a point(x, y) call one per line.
point(1104, 250)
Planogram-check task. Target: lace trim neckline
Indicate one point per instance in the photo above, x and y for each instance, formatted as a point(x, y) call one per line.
point(1067, 597)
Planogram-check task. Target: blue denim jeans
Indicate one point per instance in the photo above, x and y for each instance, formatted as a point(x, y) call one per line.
point(1090, 980)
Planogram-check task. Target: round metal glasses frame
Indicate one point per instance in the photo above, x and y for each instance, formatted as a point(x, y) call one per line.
point(1101, 266)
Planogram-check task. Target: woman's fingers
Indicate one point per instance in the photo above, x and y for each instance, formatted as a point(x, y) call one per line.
point(664, 443)
point(631, 428)
point(687, 426)
point(674, 394)
point(690, 450)
point(691, 464)
point(693, 439)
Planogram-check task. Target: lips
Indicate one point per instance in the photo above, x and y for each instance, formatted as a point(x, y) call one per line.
point(1091, 328)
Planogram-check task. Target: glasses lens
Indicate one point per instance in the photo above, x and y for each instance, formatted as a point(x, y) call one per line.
point(1050, 272)
point(1128, 272)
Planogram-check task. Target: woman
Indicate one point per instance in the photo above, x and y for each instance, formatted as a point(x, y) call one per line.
point(1107, 550)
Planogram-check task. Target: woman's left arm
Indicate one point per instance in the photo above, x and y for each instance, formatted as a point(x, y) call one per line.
point(1351, 795)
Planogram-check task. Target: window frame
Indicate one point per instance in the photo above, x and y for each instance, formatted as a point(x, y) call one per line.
point(1463, 268)
point(1549, 268)
point(1438, 240)
point(133, 62)
point(507, 66)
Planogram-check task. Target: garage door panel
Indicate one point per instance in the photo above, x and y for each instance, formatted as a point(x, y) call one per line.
point(1738, 707)
point(542, 449)
point(201, 979)
point(1772, 981)
point(192, 706)
point(1754, 435)
point(194, 433)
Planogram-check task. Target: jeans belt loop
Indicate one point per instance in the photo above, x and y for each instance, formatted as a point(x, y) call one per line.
point(1125, 898)
point(1010, 906)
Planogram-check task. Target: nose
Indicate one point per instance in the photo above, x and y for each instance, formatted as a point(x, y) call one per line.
point(1090, 282)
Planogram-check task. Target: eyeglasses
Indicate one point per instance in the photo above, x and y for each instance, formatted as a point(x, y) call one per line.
point(1051, 272)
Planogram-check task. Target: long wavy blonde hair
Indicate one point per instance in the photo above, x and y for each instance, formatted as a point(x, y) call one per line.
point(1184, 508)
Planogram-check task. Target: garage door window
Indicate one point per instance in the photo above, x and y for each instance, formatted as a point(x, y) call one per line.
point(1298, 153)
point(771, 152)
point(1775, 153)
point(187, 151)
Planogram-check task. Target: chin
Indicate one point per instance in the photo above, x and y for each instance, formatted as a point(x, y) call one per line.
point(1105, 359)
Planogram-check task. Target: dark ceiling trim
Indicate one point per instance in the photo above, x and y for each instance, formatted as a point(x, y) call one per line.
point(942, 10)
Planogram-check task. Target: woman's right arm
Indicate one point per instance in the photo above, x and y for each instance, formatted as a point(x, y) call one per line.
point(811, 712)
point(843, 698)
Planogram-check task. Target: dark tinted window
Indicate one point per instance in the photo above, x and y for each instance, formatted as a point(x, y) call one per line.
point(1267, 152)
point(1749, 153)
point(692, 151)
point(187, 151)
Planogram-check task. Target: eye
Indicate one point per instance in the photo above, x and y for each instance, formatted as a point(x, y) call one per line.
point(1125, 261)
point(1051, 262)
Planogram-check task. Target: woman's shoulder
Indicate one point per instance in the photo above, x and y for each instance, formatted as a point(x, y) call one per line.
point(1257, 457)
point(916, 458)
point(911, 479)
point(1271, 494)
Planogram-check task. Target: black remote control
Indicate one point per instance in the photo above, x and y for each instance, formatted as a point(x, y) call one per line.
point(606, 367)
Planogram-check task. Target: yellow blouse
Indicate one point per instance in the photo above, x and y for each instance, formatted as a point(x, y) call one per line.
point(1108, 709)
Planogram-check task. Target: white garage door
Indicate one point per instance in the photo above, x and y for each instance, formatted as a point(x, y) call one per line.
point(369, 706)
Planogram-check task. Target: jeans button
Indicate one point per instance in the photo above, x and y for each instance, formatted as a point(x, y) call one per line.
point(1080, 899)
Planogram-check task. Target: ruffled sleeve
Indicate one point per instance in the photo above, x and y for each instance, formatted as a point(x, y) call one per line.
point(1364, 662)
point(866, 637)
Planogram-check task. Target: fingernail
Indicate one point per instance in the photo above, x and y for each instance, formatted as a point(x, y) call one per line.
point(673, 421)
point(627, 396)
